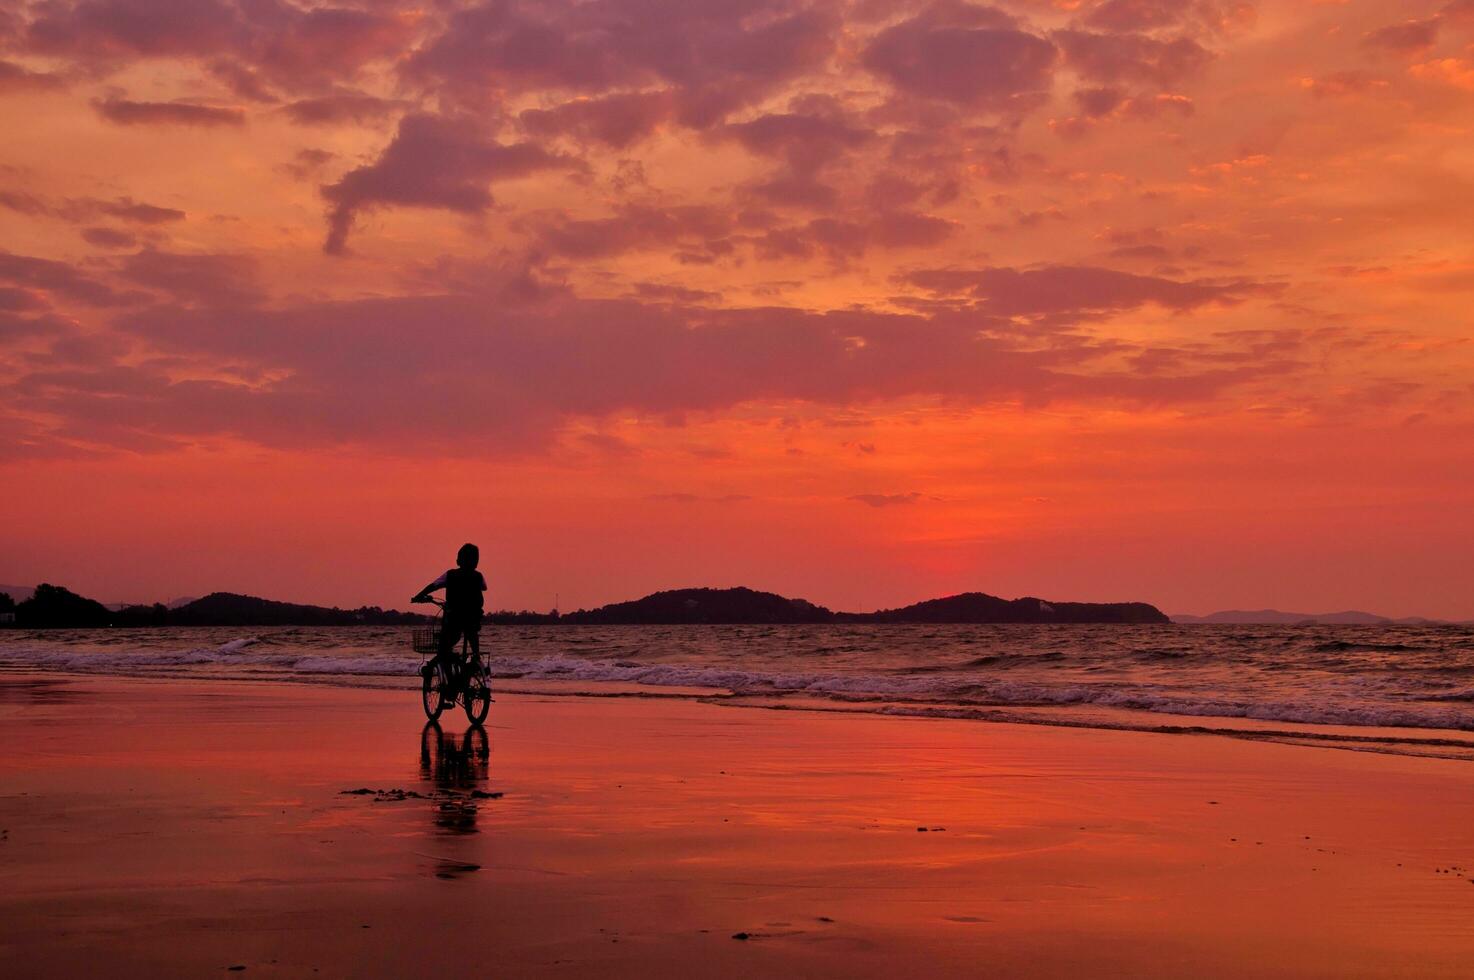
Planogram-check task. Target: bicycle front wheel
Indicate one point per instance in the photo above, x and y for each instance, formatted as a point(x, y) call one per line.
point(430, 697)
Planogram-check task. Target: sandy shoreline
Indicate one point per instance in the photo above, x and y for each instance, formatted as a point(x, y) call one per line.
point(172, 827)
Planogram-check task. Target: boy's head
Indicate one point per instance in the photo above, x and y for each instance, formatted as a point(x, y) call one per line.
point(468, 556)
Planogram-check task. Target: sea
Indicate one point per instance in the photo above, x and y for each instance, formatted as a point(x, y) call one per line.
point(1398, 689)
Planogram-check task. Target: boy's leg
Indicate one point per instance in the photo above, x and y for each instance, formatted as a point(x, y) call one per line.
point(450, 633)
point(473, 633)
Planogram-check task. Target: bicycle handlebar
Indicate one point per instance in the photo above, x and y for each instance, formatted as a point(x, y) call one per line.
point(430, 599)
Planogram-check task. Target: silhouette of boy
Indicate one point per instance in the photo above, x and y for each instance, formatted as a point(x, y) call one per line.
point(463, 587)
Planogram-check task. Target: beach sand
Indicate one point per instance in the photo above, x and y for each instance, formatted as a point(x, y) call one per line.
point(179, 828)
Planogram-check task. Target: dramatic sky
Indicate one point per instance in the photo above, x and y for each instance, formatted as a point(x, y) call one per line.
point(860, 301)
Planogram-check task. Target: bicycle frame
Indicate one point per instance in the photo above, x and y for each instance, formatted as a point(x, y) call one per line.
point(466, 678)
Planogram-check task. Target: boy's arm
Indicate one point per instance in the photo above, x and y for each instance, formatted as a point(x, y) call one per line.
point(424, 594)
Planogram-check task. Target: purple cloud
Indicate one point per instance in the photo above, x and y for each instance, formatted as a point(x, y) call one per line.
point(126, 112)
point(1074, 291)
point(1111, 59)
point(635, 227)
point(342, 107)
point(109, 238)
point(806, 140)
point(1459, 12)
point(85, 209)
point(618, 120)
point(58, 278)
point(713, 55)
point(432, 162)
point(244, 41)
point(1408, 37)
point(968, 55)
point(204, 279)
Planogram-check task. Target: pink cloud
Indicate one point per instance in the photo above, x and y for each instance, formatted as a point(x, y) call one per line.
point(1343, 84)
point(1449, 71)
point(361, 371)
point(16, 78)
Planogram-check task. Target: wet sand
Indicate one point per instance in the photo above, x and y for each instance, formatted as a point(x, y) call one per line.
point(176, 828)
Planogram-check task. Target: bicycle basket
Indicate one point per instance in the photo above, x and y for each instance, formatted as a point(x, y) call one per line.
point(425, 639)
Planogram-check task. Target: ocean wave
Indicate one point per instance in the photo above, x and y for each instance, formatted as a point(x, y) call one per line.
point(1364, 646)
point(1467, 695)
point(972, 692)
point(1350, 681)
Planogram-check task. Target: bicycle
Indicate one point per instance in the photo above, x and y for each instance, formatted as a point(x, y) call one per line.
point(467, 679)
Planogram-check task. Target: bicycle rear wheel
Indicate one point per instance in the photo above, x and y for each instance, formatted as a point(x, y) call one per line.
point(431, 698)
point(477, 697)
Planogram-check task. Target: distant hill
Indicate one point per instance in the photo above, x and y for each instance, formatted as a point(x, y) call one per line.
point(20, 593)
point(51, 606)
point(54, 607)
point(1275, 617)
point(229, 609)
point(705, 606)
point(742, 605)
point(979, 607)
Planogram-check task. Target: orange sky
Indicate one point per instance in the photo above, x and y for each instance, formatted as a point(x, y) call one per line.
point(864, 302)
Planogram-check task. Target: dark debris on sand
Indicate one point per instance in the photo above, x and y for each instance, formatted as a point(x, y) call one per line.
point(450, 870)
point(398, 795)
point(384, 795)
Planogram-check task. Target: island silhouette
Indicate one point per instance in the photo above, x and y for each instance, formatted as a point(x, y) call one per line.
point(55, 607)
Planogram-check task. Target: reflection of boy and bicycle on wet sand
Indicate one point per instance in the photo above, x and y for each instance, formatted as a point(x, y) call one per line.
point(456, 769)
point(454, 766)
point(448, 677)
